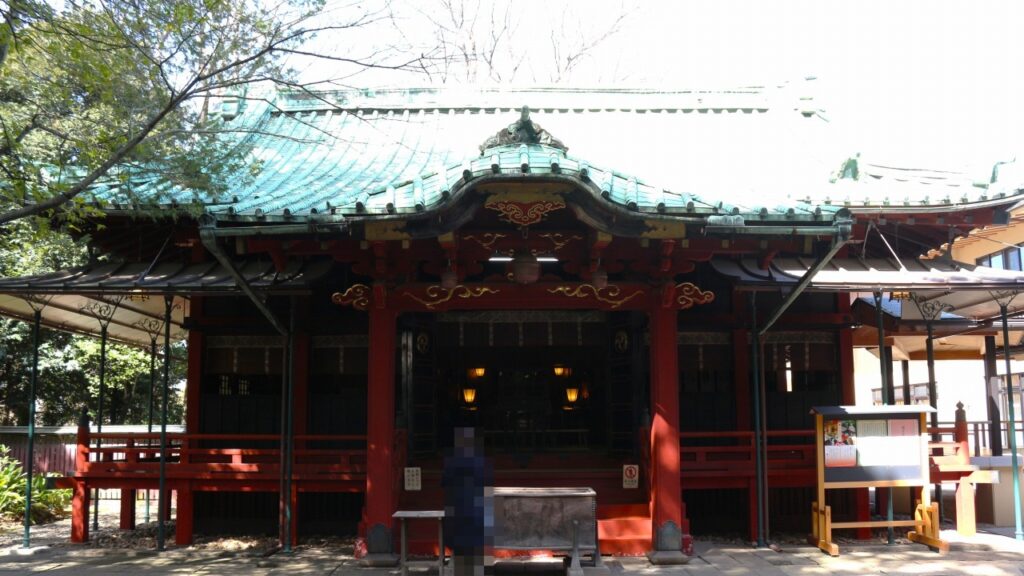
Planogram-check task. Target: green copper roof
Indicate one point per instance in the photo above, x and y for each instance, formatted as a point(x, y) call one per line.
point(757, 153)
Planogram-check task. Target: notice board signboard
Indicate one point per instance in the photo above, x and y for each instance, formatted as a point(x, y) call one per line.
point(864, 447)
point(873, 447)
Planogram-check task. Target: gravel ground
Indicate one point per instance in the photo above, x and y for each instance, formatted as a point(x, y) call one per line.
point(57, 534)
point(109, 536)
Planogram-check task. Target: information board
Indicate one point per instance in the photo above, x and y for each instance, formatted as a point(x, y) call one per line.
point(873, 448)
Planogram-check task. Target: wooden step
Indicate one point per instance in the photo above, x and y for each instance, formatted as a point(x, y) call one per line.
point(624, 529)
point(627, 527)
point(627, 546)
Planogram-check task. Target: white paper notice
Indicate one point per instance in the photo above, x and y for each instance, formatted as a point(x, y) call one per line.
point(843, 456)
point(871, 428)
point(889, 451)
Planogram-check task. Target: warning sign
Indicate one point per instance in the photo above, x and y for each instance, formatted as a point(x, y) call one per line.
point(630, 476)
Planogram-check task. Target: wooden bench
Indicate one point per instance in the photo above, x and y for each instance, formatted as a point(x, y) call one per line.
point(403, 516)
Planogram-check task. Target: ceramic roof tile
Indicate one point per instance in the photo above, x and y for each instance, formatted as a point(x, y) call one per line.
point(759, 152)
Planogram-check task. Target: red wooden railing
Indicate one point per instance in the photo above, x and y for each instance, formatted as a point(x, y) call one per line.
point(714, 454)
point(137, 455)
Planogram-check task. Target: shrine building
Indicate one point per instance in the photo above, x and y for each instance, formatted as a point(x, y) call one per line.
point(642, 292)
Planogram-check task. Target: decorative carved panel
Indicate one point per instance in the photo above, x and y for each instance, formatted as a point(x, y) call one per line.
point(610, 295)
point(524, 208)
point(435, 296)
point(689, 295)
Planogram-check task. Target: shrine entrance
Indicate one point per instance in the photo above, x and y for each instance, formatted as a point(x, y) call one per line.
point(534, 384)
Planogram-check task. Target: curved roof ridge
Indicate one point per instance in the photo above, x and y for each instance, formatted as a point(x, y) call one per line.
point(578, 99)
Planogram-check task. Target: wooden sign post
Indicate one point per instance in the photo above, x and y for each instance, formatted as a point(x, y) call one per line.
point(873, 447)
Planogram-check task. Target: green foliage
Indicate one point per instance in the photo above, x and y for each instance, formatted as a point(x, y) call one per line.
point(68, 364)
point(47, 504)
point(27, 248)
point(118, 94)
point(69, 379)
point(12, 485)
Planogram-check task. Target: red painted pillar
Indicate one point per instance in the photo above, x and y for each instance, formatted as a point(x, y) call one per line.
point(127, 519)
point(80, 497)
point(184, 516)
point(381, 500)
point(669, 526)
point(80, 513)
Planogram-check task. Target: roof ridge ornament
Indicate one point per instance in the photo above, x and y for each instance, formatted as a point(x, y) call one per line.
point(523, 131)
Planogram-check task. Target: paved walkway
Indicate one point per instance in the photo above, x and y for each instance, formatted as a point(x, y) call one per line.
point(987, 554)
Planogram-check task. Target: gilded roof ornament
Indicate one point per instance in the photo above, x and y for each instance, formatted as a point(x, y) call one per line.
point(523, 131)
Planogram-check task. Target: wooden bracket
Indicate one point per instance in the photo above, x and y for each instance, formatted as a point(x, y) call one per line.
point(380, 260)
point(667, 247)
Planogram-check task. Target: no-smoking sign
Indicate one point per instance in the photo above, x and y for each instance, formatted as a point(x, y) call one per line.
point(630, 476)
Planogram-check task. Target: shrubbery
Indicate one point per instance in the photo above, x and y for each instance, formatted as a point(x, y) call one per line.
point(46, 504)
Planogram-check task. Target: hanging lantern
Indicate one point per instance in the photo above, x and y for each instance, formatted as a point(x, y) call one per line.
point(474, 373)
point(561, 371)
point(469, 395)
point(449, 279)
point(572, 394)
point(525, 268)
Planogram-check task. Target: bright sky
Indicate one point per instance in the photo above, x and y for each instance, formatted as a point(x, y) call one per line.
point(928, 83)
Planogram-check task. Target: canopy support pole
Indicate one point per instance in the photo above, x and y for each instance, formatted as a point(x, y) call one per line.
point(208, 235)
point(841, 232)
point(755, 357)
point(37, 316)
point(933, 398)
point(995, 436)
point(99, 419)
point(162, 500)
point(1017, 533)
point(883, 359)
point(287, 437)
point(152, 386)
